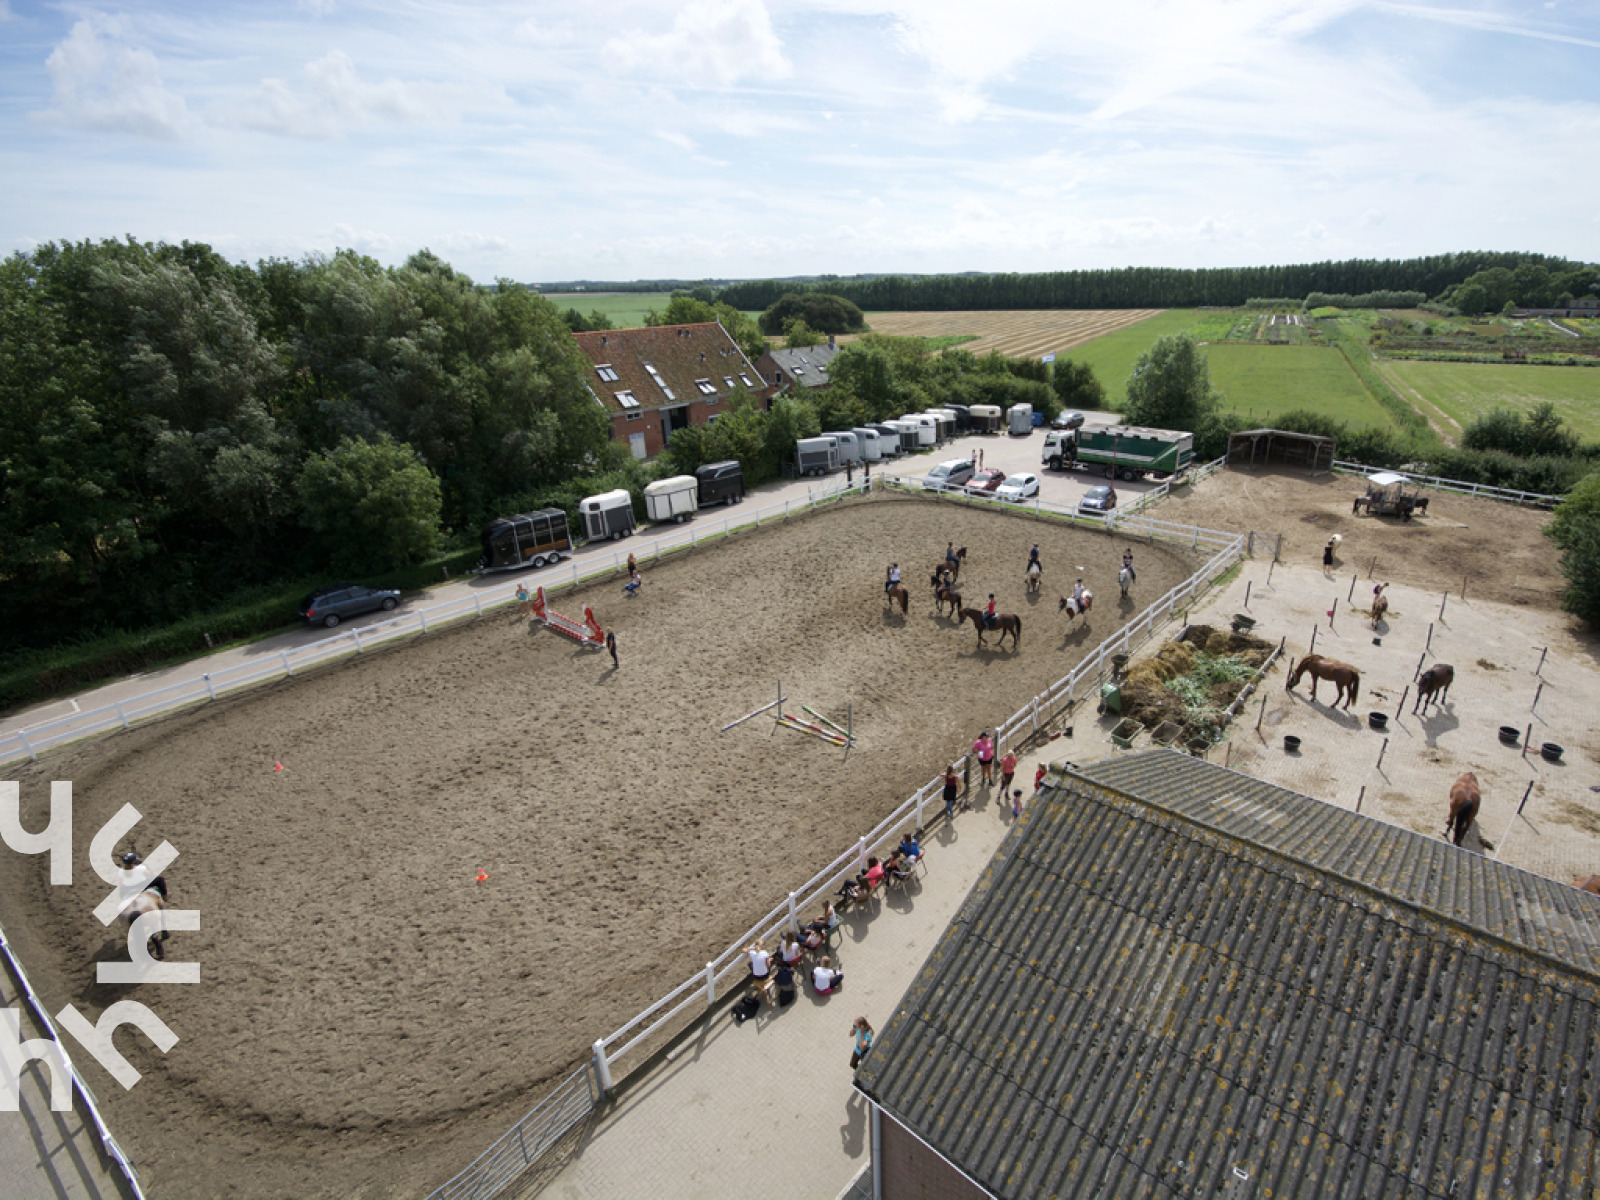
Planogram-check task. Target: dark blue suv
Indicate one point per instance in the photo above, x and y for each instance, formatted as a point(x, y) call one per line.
point(332, 604)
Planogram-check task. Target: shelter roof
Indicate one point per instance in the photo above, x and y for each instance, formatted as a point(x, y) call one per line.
point(665, 365)
point(1176, 980)
point(1386, 478)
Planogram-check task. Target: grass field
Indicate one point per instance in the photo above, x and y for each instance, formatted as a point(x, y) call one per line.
point(1113, 355)
point(1017, 334)
point(1263, 381)
point(626, 309)
point(1467, 390)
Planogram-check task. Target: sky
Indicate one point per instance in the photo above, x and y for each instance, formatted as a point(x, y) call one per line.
point(745, 139)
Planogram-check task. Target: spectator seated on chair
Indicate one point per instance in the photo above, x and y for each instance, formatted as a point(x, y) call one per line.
point(785, 982)
point(748, 1006)
point(760, 963)
point(825, 979)
point(910, 848)
point(790, 951)
point(852, 890)
point(873, 875)
point(900, 869)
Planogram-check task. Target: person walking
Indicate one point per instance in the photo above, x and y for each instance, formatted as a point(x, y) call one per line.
point(1008, 768)
point(984, 749)
point(1327, 558)
point(952, 784)
point(611, 648)
point(1127, 564)
point(863, 1035)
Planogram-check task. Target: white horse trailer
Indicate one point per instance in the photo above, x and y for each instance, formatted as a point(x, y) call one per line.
point(608, 515)
point(674, 499)
point(927, 428)
point(946, 421)
point(889, 439)
point(910, 434)
point(871, 447)
point(849, 446)
point(1020, 418)
point(817, 456)
point(986, 418)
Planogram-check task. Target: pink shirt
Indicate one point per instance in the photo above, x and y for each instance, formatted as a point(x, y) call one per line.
point(1008, 764)
point(984, 749)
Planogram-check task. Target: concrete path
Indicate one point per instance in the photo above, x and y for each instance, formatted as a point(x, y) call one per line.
point(768, 1106)
point(1009, 454)
point(47, 1155)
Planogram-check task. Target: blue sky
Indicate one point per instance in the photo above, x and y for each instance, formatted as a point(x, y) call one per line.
point(738, 138)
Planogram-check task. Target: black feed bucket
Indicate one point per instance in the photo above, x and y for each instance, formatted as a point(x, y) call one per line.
point(1291, 744)
point(1510, 735)
point(1378, 721)
point(1551, 752)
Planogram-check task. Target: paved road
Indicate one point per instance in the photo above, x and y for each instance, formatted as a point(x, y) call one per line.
point(1002, 451)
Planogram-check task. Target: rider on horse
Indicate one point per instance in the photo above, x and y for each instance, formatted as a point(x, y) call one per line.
point(1077, 592)
point(1127, 564)
point(134, 877)
point(988, 613)
point(1033, 558)
point(950, 557)
point(893, 580)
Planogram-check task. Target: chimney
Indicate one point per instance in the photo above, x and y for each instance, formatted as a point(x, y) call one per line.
point(602, 339)
point(831, 344)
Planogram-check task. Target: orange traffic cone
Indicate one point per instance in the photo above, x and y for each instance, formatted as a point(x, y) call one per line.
point(278, 766)
point(482, 875)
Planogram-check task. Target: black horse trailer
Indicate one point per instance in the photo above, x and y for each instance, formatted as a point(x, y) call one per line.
point(528, 540)
point(720, 483)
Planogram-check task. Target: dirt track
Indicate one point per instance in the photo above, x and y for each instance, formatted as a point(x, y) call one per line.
point(370, 1017)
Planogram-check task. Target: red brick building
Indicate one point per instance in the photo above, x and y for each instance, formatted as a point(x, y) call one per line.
point(654, 380)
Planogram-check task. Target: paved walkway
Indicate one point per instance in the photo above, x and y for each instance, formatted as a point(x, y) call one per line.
point(47, 1155)
point(768, 1106)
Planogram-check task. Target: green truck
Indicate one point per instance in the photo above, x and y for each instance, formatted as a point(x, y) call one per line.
point(1119, 451)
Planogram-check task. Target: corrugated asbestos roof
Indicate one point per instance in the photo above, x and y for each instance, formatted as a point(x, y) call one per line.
point(1174, 980)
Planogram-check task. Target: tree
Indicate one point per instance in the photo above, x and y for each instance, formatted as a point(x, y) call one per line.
point(1171, 386)
point(1575, 528)
point(790, 419)
point(797, 335)
point(687, 308)
point(1076, 385)
point(374, 505)
point(828, 313)
point(1472, 299)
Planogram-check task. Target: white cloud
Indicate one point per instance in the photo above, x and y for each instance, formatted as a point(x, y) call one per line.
point(5, 10)
point(100, 81)
point(335, 98)
point(719, 42)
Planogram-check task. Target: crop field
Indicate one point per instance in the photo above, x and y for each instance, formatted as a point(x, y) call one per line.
point(1263, 381)
point(1018, 334)
point(1468, 390)
point(626, 309)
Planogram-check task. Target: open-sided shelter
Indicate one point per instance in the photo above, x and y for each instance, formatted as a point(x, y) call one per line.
point(1279, 447)
point(1176, 980)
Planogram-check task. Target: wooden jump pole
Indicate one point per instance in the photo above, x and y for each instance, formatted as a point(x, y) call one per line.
point(1352, 594)
point(1525, 796)
point(832, 724)
point(754, 713)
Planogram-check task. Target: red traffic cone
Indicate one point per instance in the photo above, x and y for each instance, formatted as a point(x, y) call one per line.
point(278, 766)
point(482, 875)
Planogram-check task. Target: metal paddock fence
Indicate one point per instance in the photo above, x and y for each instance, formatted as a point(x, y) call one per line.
point(1461, 486)
point(521, 1147)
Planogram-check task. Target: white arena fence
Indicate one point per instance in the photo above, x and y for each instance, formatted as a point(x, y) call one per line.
point(1510, 495)
point(28, 743)
point(695, 996)
point(119, 1162)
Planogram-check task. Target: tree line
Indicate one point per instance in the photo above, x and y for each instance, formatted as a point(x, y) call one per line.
point(1157, 287)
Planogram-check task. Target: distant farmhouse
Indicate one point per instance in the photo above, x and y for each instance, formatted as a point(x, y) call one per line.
point(806, 367)
point(1174, 980)
point(654, 380)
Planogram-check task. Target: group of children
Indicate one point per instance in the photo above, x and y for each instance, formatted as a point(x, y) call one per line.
point(900, 864)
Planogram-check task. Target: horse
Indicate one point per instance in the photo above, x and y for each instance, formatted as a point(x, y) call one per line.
point(1590, 885)
point(1342, 675)
point(1464, 798)
point(1436, 678)
point(1034, 577)
point(944, 593)
point(148, 901)
point(898, 592)
point(1004, 622)
point(1380, 605)
point(1124, 578)
point(952, 565)
point(1074, 608)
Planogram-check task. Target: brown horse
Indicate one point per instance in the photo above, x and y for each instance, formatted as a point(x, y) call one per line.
point(1380, 605)
point(1590, 885)
point(952, 565)
point(1464, 798)
point(898, 592)
point(1436, 679)
point(1343, 676)
point(944, 594)
point(1004, 622)
point(1075, 608)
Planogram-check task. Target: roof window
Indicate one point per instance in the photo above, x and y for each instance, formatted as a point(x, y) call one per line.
point(728, 382)
point(627, 400)
point(660, 382)
point(745, 379)
point(707, 388)
point(606, 372)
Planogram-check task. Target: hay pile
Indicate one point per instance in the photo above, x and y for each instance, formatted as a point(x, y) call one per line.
point(1148, 698)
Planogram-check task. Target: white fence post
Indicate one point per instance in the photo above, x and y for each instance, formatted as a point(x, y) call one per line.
point(922, 797)
point(356, 633)
point(287, 669)
point(27, 745)
point(124, 715)
point(423, 613)
point(477, 603)
point(602, 1069)
point(693, 543)
point(794, 917)
point(209, 688)
point(1036, 716)
point(711, 985)
point(861, 854)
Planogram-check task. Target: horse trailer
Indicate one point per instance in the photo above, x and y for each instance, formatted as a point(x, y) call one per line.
point(849, 445)
point(871, 447)
point(1020, 419)
point(986, 418)
point(817, 456)
point(608, 515)
point(673, 499)
point(944, 422)
point(720, 483)
point(927, 428)
point(910, 434)
point(528, 540)
point(963, 416)
point(1119, 451)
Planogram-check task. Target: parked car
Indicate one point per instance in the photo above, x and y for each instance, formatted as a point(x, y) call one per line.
point(332, 604)
point(986, 481)
point(1067, 420)
point(952, 473)
point(1022, 486)
point(1101, 498)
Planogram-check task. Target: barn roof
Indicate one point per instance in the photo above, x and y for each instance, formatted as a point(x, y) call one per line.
point(1174, 979)
point(665, 365)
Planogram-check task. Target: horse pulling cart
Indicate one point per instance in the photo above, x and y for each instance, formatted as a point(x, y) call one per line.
point(1386, 496)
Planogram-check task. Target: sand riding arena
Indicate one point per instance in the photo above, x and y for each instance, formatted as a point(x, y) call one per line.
point(371, 1015)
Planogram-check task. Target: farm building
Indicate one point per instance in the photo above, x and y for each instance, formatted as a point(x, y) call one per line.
point(805, 367)
point(1265, 447)
point(1177, 980)
point(659, 378)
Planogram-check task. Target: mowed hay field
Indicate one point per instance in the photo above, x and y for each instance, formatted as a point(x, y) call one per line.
point(1013, 333)
point(370, 1017)
point(1464, 391)
point(1261, 382)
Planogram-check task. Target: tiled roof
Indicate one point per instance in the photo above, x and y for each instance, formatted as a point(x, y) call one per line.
point(1174, 980)
point(665, 365)
point(807, 366)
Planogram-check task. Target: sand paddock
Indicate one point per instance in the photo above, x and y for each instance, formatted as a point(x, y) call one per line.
point(370, 1017)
